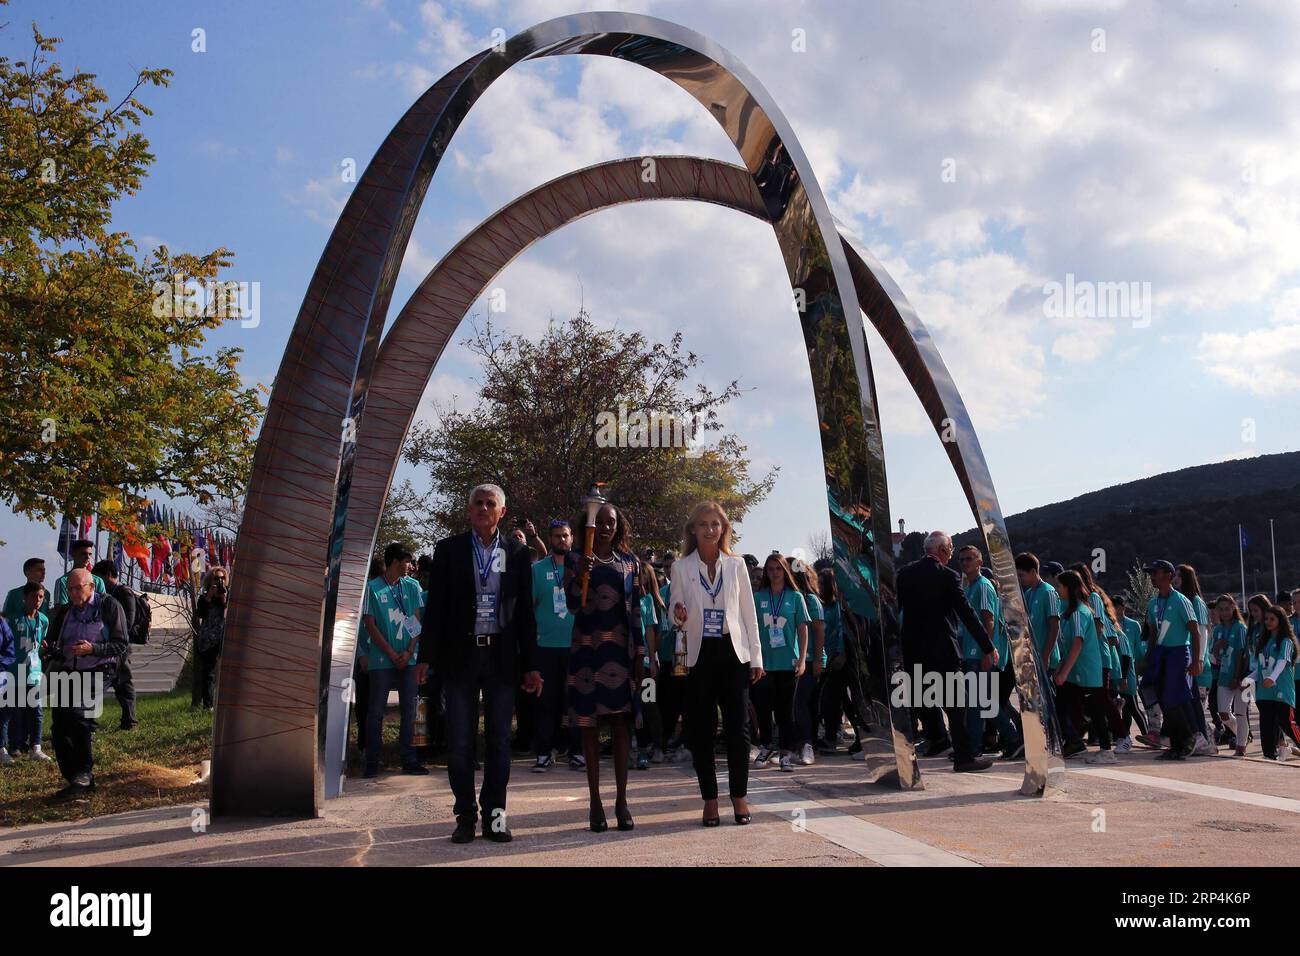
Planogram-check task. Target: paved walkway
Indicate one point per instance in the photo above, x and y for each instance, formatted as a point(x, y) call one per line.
point(1217, 811)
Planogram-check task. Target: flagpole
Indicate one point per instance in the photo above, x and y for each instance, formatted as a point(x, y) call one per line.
point(1273, 545)
point(1241, 550)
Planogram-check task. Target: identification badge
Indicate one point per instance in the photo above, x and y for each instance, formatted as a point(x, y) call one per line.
point(411, 624)
point(1164, 629)
point(486, 616)
point(559, 604)
point(714, 619)
point(776, 633)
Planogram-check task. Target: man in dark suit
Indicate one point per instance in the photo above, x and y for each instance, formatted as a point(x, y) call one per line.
point(480, 635)
point(932, 602)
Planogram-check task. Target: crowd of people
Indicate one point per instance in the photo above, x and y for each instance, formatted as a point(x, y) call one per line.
point(664, 650)
point(663, 657)
point(62, 649)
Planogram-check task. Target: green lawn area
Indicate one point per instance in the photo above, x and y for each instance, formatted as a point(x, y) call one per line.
point(154, 765)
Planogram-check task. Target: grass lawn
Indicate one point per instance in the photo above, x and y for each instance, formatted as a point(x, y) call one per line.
point(154, 765)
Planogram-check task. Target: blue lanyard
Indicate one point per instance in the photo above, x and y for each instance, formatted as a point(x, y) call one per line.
point(482, 559)
point(711, 592)
point(396, 593)
point(775, 604)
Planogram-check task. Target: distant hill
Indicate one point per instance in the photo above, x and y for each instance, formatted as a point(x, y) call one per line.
point(1188, 516)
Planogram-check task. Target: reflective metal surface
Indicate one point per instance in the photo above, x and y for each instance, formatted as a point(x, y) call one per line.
point(275, 679)
point(421, 331)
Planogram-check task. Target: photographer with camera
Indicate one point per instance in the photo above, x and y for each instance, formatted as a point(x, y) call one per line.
point(209, 629)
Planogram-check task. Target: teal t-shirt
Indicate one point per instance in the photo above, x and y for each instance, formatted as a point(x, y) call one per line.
point(1125, 685)
point(1206, 677)
point(1234, 635)
point(816, 612)
point(982, 597)
point(554, 621)
point(1133, 628)
point(649, 619)
point(1106, 629)
point(391, 605)
point(1042, 603)
point(834, 630)
point(1284, 689)
point(1000, 640)
point(16, 600)
point(61, 588)
point(1168, 619)
point(667, 635)
point(28, 634)
point(1086, 671)
point(778, 622)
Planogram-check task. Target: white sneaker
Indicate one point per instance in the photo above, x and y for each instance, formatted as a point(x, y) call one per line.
point(753, 753)
point(1101, 756)
point(764, 757)
point(656, 756)
point(1295, 751)
point(785, 763)
point(1205, 747)
point(860, 755)
point(1124, 746)
point(5, 759)
point(1283, 754)
point(808, 755)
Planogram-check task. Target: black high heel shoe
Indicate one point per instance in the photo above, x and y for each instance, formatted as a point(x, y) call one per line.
point(742, 819)
point(597, 820)
point(623, 815)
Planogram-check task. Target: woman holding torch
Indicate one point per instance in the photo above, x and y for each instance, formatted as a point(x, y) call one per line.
point(605, 662)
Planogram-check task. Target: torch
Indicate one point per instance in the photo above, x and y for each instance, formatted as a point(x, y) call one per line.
point(593, 501)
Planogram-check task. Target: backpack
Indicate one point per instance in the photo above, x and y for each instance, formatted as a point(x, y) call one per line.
point(143, 620)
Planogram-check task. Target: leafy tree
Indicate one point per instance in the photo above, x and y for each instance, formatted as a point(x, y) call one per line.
point(407, 518)
point(550, 421)
point(106, 392)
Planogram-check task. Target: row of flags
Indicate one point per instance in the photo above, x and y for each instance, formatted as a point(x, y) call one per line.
point(181, 549)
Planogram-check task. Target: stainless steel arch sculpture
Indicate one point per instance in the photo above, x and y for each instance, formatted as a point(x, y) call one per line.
point(423, 328)
point(275, 675)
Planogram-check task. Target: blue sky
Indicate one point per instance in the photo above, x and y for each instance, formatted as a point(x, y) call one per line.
point(1159, 150)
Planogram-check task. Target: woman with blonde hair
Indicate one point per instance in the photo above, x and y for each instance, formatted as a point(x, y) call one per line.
point(713, 606)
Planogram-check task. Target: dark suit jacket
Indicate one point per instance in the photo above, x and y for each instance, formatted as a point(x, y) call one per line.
point(931, 598)
point(447, 635)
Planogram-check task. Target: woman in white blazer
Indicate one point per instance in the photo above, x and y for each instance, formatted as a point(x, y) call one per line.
point(712, 603)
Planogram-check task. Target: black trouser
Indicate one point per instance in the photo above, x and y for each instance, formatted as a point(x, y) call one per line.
point(1075, 700)
point(831, 699)
point(672, 702)
point(1274, 715)
point(1132, 713)
point(462, 689)
point(719, 679)
point(525, 720)
point(775, 694)
point(548, 717)
point(205, 676)
point(73, 735)
point(124, 688)
point(651, 732)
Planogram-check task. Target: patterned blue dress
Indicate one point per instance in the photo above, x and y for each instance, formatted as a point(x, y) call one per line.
point(607, 639)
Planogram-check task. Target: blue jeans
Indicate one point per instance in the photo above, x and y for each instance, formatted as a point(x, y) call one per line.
point(28, 722)
point(461, 692)
point(974, 722)
point(382, 681)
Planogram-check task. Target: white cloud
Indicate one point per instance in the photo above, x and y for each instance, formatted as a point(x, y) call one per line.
point(1261, 361)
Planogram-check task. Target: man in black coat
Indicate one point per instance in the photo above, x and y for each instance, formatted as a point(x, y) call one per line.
point(480, 634)
point(932, 603)
point(123, 679)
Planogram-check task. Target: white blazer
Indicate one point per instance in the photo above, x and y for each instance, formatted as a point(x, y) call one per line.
point(736, 596)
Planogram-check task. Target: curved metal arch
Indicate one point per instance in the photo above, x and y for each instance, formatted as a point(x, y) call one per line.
point(414, 343)
point(275, 671)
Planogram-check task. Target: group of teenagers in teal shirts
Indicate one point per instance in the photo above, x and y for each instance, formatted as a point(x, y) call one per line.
point(1098, 651)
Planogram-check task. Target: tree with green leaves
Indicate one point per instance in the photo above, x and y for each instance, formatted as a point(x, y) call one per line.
point(578, 405)
point(108, 392)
